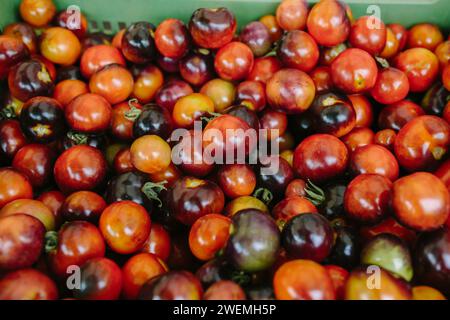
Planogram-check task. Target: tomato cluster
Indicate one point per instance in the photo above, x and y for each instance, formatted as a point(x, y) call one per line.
point(356, 113)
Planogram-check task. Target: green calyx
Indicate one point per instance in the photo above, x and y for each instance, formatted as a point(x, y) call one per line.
point(314, 193)
point(152, 191)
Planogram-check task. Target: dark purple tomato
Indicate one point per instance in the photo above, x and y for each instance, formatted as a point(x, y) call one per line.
point(346, 249)
point(308, 236)
point(12, 51)
point(170, 92)
point(11, 138)
point(138, 45)
point(298, 50)
point(277, 179)
point(153, 120)
point(197, 67)
point(244, 113)
point(257, 37)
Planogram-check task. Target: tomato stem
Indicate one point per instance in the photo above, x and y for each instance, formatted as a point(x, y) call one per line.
point(152, 191)
point(264, 195)
point(314, 193)
point(134, 112)
point(51, 241)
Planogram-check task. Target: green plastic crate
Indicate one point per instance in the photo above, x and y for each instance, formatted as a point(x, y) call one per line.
point(111, 15)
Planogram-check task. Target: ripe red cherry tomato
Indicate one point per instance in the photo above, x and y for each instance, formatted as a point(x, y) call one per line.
point(397, 115)
point(292, 14)
point(368, 197)
point(33, 208)
point(357, 138)
point(291, 91)
point(208, 235)
point(13, 51)
point(392, 45)
point(158, 242)
point(320, 158)
point(89, 113)
point(172, 38)
point(369, 34)
point(290, 207)
point(80, 168)
point(74, 244)
point(138, 270)
point(420, 65)
point(392, 86)
point(425, 35)
point(11, 138)
point(271, 24)
point(38, 13)
point(83, 205)
point(27, 284)
point(412, 199)
point(400, 33)
point(97, 57)
point(298, 50)
point(339, 277)
point(322, 78)
point(263, 69)
point(21, 241)
point(236, 180)
point(67, 90)
point(328, 22)
point(422, 142)
point(234, 61)
point(354, 71)
point(374, 159)
point(303, 280)
point(53, 200)
point(113, 82)
point(13, 185)
point(125, 225)
point(363, 110)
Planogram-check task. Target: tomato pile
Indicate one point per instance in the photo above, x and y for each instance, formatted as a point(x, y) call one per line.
point(360, 111)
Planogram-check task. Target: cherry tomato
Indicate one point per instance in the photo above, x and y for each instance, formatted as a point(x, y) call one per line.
point(80, 168)
point(53, 200)
point(354, 71)
point(13, 186)
point(236, 180)
point(171, 92)
point(97, 57)
point(263, 69)
point(303, 280)
point(83, 205)
point(243, 203)
point(174, 285)
point(234, 61)
point(426, 293)
point(158, 242)
point(369, 34)
point(397, 115)
point(322, 78)
point(75, 243)
point(425, 35)
point(101, 279)
point(298, 50)
point(257, 37)
point(410, 197)
point(77, 26)
point(60, 46)
point(389, 226)
point(172, 38)
point(33, 208)
point(138, 45)
point(24, 32)
point(400, 33)
point(271, 24)
point(392, 86)
point(12, 52)
point(27, 284)
point(392, 46)
point(296, 188)
point(358, 137)
point(339, 277)
point(251, 94)
point(67, 90)
point(138, 270)
point(22, 240)
point(328, 22)
point(443, 53)
point(147, 82)
point(191, 108)
point(122, 161)
point(292, 14)
point(374, 159)
point(197, 68)
point(113, 82)
point(208, 235)
point(150, 154)
point(291, 207)
point(221, 92)
point(386, 138)
point(38, 13)
point(11, 138)
point(121, 124)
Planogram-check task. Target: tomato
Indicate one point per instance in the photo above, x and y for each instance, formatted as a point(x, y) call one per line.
point(263, 69)
point(354, 71)
point(27, 284)
point(410, 196)
point(197, 67)
point(251, 94)
point(67, 90)
point(392, 46)
point(24, 32)
point(97, 57)
point(257, 37)
point(83, 205)
point(322, 78)
point(147, 82)
point(158, 242)
point(77, 26)
point(425, 35)
point(175, 285)
point(138, 270)
point(386, 138)
point(11, 138)
point(426, 293)
point(236, 180)
point(74, 244)
point(243, 203)
point(172, 38)
point(191, 108)
point(122, 161)
point(303, 280)
point(208, 235)
point(12, 52)
point(22, 241)
point(339, 277)
point(298, 50)
point(291, 207)
point(33, 208)
point(397, 115)
point(171, 92)
point(224, 290)
point(292, 14)
point(358, 137)
point(234, 61)
point(13, 186)
point(150, 154)
point(392, 86)
point(60, 46)
point(113, 82)
point(400, 33)
point(272, 25)
point(374, 159)
point(369, 34)
point(38, 13)
point(53, 200)
point(80, 168)
point(138, 45)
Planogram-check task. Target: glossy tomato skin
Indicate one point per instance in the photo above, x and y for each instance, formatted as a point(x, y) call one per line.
point(24, 32)
point(236, 180)
point(321, 76)
point(125, 226)
point(374, 159)
point(234, 61)
point(30, 79)
point(392, 86)
point(257, 37)
point(275, 181)
point(386, 138)
point(42, 119)
point(63, 19)
point(303, 280)
point(339, 277)
point(121, 126)
point(11, 138)
point(422, 142)
point(392, 46)
point(170, 92)
point(22, 241)
point(430, 259)
point(251, 94)
point(425, 35)
point(263, 69)
point(369, 34)
point(150, 160)
point(298, 50)
point(13, 186)
point(435, 99)
point(272, 25)
point(410, 194)
point(291, 91)
point(35, 161)
point(174, 285)
point(421, 67)
point(190, 108)
point(388, 226)
point(101, 279)
point(346, 250)
point(290, 207)
point(83, 205)
point(13, 51)
point(243, 203)
point(190, 198)
point(138, 45)
point(30, 207)
point(308, 236)
point(354, 71)
point(37, 13)
point(208, 235)
point(197, 67)
point(328, 23)
point(97, 57)
point(53, 200)
point(400, 33)
point(89, 113)
point(76, 243)
point(138, 270)
point(312, 158)
point(60, 46)
point(224, 290)
point(27, 284)
point(158, 242)
point(67, 90)
point(292, 14)
point(396, 116)
point(368, 198)
point(244, 113)
point(113, 82)
point(172, 38)
point(80, 168)
point(148, 79)
point(358, 137)
point(212, 28)
point(153, 120)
